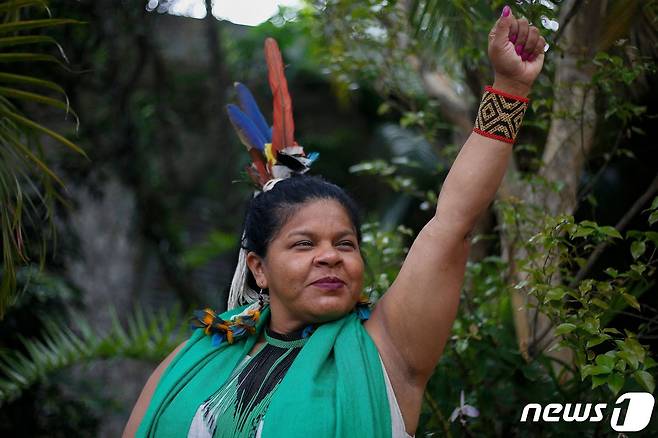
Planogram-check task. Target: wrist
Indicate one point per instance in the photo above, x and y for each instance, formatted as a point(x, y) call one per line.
point(501, 113)
point(511, 86)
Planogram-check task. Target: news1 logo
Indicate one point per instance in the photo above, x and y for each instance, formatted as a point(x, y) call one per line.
point(638, 412)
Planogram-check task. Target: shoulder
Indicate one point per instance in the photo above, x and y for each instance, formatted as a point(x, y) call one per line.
point(145, 396)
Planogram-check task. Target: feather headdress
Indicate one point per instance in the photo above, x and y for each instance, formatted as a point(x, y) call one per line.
point(275, 155)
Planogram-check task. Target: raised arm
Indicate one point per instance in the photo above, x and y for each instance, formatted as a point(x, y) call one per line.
point(412, 322)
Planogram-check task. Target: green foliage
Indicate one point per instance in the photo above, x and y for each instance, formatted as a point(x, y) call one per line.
point(614, 74)
point(22, 161)
point(147, 336)
point(559, 256)
point(579, 309)
point(482, 357)
point(383, 252)
point(362, 40)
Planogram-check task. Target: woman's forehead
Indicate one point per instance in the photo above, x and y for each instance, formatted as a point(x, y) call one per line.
point(322, 215)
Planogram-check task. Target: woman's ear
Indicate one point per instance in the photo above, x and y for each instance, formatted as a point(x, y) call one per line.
point(255, 265)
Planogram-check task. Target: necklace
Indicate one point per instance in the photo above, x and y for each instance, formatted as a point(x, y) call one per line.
point(238, 407)
point(278, 340)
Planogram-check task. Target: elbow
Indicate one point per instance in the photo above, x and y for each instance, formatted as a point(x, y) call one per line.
point(459, 229)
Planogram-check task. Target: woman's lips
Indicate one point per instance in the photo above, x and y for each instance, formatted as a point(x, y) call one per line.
point(328, 283)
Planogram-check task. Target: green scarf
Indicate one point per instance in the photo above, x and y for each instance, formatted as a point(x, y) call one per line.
point(334, 388)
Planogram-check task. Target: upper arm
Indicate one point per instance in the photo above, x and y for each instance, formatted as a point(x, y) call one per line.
point(147, 392)
point(412, 322)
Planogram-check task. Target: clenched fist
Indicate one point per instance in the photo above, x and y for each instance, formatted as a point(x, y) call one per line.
point(516, 51)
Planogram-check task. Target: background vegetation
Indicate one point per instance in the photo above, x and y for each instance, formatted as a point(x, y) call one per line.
point(115, 227)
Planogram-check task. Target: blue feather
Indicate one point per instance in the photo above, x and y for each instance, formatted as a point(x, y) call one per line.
point(249, 134)
point(250, 107)
point(363, 312)
point(313, 156)
point(217, 339)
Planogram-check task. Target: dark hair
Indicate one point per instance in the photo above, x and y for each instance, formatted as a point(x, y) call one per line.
point(268, 212)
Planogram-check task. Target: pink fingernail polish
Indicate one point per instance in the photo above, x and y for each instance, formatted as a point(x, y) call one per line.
point(506, 11)
point(518, 48)
point(532, 57)
point(524, 56)
point(513, 38)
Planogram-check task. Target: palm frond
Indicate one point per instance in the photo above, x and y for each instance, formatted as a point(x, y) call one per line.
point(23, 166)
point(34, 24)
point(147, 336)
point(446, 29)
point(16, 5)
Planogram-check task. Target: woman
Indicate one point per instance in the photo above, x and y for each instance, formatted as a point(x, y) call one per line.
point(312, 367)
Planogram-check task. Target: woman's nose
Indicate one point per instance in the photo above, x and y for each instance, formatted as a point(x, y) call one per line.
point(328, 256)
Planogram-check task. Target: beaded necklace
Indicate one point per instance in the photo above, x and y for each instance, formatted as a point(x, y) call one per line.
point(237, 408)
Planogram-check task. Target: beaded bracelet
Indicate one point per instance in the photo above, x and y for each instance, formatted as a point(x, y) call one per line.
point(500, 115)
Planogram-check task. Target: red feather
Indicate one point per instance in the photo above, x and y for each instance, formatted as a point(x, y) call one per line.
point(257, 159)
point(283, 125)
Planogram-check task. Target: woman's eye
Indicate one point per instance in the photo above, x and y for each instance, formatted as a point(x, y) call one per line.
point(304, 243)
point(347, 243)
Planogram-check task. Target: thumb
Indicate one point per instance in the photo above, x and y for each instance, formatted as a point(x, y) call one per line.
point(500, 32)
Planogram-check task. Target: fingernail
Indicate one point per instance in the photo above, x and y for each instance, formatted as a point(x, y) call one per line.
point(524, 56)
point(513, 38)
point(518, 48)
point(506, 11)
point(532, 57)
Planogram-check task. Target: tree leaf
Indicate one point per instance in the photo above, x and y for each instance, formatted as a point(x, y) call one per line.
point(611, 330)
point(556, 293)
point(582, 232)
point(596, 340)
point(27, 39)
point(631, 300)
point(630, 358)
point(28, 153)
point(602, 304)
point(653, 217)
point(151, 337)
point(616, 382)
point(654, 204)
point(599, 380)
point(606, 361)
point(35, 24)
point(34, 97)
point(15, 5)
point(645, 379)
point(31, 57)
point(610, 231)
point(637, 249)
point(564, 328)
point(649, 363)
point(33, 125)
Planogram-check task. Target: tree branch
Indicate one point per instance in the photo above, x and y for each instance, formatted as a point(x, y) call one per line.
point(567, 19)
point(623, 222)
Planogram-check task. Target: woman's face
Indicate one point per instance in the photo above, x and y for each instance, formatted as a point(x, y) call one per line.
point(313, 267)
